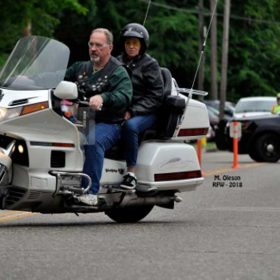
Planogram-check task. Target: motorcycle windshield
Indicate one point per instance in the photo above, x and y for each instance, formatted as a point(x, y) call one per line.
point(35, 63)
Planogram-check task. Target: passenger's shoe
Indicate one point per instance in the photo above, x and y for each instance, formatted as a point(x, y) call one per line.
point(129, 182)
point(88, 199)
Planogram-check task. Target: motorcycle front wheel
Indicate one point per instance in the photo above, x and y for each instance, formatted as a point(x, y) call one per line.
point(132, 214)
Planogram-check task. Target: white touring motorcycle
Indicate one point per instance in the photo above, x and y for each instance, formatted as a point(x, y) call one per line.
point(41, 150)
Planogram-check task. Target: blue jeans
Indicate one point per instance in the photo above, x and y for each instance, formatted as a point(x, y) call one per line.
point(130, 135)
point(101, 138)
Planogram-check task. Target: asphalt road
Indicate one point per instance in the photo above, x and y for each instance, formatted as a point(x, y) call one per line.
point(227, 229)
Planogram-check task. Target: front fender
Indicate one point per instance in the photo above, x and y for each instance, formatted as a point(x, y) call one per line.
point(265, 129)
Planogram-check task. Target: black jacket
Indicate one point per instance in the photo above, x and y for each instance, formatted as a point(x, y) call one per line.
point(147, 84)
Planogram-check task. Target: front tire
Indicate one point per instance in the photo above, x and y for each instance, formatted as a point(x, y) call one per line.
point(131, 214)
point(267, 148)
point(254, 156)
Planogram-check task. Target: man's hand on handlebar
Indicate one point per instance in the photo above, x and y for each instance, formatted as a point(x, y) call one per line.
point(96, 102)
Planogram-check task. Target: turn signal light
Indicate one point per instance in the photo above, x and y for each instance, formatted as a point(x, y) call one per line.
point(34, 108)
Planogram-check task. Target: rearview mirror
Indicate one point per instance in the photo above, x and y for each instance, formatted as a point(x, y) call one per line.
point(66, 90)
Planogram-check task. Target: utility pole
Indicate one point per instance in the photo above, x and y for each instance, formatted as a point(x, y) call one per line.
point(201, 41)
point(27, 31)
point(224, 57)
point(214, 82)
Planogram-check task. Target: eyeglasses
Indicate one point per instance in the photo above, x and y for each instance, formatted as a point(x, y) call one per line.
point(97, 45)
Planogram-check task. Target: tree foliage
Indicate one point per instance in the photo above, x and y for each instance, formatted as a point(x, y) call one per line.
point(254, 55)
point(42, 15)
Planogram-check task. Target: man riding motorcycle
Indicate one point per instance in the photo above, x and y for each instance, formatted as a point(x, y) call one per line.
point(109, 91)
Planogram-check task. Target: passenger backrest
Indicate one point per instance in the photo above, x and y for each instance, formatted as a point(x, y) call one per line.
point(172, 109)
point(167, 81)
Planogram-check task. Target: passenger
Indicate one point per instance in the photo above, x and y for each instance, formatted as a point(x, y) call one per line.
point(147, 94)
point(108, 87)
point(276, 108)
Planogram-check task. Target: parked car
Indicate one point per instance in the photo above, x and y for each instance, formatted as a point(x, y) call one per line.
point(217, 126)
point(214, 121)
point(260, 138)
point(248, 107)
point(229, 106)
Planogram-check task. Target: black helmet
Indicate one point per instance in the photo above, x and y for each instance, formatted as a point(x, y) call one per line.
point(136, 30)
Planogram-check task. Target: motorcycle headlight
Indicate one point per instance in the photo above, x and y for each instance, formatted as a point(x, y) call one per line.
point(10, 113)
point(6, 114)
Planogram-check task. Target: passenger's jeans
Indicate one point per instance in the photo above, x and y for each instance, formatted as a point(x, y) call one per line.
point(130, 135)
point(101, 138)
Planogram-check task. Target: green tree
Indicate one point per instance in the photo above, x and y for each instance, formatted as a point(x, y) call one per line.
point(173, 31)
point(254, 55)
point(42, 15)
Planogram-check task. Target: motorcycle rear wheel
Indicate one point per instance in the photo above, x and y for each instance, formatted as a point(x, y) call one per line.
point(132, 214)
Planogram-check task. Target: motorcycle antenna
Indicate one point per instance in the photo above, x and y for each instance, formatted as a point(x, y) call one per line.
point(190, 91)
point(147, 12)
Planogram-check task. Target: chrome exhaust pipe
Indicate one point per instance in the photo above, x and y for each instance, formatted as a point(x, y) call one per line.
point(162, 201)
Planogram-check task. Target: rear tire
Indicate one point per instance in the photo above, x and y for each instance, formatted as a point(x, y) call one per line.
point(267, 148)
point(132, 214)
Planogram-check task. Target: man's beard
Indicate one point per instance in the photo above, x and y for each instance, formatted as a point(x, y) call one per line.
point(95, 59)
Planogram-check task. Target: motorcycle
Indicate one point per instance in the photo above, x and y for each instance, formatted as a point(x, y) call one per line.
point(41, 150)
